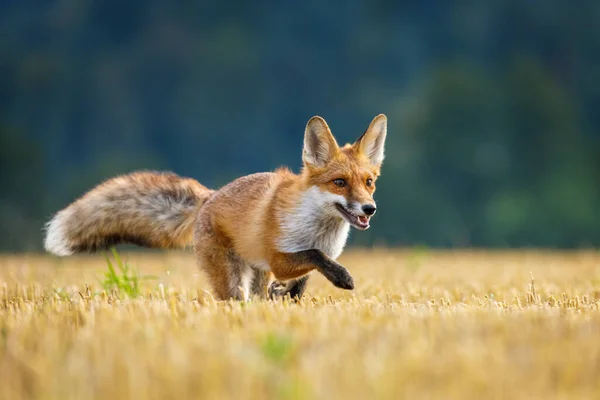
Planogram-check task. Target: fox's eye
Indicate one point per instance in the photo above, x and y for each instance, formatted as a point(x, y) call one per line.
point(369, 182)
point(339, 182)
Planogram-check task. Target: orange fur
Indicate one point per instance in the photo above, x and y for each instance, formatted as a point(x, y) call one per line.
point(246, 233)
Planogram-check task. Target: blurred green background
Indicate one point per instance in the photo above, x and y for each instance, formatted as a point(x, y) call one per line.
point(494, 134)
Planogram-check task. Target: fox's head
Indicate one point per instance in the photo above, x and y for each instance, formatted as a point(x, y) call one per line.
point(345, 177)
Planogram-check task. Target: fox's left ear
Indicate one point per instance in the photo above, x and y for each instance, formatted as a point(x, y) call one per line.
point(319, 144)
point(372, 142)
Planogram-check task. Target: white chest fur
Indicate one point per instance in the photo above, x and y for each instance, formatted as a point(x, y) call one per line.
point(314, 224)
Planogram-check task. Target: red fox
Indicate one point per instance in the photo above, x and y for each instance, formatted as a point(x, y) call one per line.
point(258, 228)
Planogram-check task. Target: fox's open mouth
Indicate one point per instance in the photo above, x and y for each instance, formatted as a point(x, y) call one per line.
point(358, 221)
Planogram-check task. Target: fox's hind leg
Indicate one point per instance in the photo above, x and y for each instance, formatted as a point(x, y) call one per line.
point(230, 278)
point(229, 275)
point(260, 283)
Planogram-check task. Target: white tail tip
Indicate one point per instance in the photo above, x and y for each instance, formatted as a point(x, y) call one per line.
point(56, 240)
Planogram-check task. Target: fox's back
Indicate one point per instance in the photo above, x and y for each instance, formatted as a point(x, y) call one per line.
point(242, 212)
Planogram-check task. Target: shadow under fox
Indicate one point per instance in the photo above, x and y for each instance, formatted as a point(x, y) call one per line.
point(258, 228)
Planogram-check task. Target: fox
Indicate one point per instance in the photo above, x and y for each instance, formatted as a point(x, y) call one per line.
point(260, 235)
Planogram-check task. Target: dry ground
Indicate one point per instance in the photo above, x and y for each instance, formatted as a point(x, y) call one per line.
point(419, 325)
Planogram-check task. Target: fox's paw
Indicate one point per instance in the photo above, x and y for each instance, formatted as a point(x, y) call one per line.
point(343, 280)
point(277, 289)
point(294, 288)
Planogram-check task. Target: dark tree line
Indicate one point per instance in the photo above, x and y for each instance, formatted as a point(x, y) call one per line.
point(494, 137)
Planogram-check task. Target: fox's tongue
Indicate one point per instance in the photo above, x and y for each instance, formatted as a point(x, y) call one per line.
point(363, 219)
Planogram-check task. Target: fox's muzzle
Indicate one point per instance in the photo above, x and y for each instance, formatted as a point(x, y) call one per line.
point(369, 209)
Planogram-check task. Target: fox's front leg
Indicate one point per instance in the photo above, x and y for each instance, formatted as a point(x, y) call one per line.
point(287, 266)
point(294, 288)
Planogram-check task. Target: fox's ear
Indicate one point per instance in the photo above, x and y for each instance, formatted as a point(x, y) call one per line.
point(372, 142)
point(319, 144)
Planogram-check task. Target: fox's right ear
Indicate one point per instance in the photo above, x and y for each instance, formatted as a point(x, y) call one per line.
point(319, 144)
point(372, 142)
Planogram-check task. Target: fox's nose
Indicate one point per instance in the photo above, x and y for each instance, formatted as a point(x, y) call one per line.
point(369, 209)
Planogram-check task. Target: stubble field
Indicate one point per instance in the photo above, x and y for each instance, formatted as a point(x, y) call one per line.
point(419, 324)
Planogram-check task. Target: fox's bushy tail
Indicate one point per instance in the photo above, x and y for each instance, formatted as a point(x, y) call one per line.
point(151, 209)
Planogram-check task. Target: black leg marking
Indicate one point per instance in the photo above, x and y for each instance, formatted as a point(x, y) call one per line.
point(333, 271)
point(295, 288)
